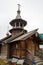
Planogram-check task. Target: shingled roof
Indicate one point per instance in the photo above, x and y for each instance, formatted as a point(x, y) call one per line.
point(20, 36)
point(10, 38)
point(25, 36)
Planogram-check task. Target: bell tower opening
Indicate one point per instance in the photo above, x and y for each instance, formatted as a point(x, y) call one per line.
point(18, 23)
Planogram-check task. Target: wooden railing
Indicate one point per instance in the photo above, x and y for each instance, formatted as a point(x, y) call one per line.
point(29, 57)
point(39, 53)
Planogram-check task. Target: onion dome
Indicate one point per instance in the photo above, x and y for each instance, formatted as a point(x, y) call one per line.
point(18, 22)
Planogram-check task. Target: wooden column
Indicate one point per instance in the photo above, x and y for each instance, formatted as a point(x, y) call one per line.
point(22, 48)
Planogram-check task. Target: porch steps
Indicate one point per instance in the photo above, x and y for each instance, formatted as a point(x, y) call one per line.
point(38, 60)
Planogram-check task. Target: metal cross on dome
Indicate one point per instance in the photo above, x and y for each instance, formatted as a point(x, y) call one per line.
point(19, 7)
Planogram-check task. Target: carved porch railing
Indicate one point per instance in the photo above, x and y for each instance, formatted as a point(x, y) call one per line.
point(39, 53)
point(29, 57)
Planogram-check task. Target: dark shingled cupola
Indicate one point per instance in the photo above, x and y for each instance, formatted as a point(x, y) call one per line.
point(18, 23)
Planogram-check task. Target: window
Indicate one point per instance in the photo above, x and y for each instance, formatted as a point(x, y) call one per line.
point(16, 45)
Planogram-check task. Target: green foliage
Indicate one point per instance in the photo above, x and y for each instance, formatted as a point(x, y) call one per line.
point(3, 62)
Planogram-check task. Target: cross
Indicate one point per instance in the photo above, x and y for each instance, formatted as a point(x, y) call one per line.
point(19, 6)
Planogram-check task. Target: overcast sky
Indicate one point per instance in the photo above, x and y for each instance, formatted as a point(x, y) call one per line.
point(31, 11)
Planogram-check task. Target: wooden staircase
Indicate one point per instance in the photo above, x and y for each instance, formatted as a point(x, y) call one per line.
point(38, 60)
point(31, 58)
